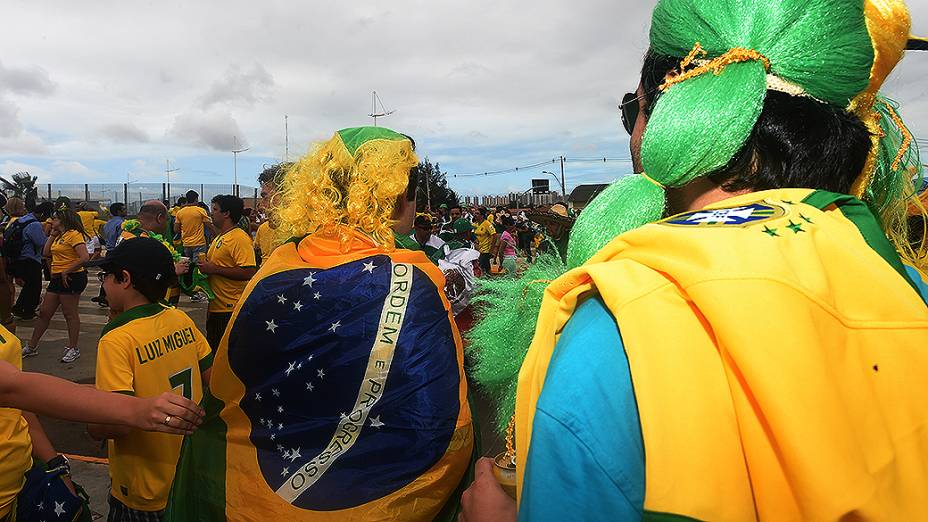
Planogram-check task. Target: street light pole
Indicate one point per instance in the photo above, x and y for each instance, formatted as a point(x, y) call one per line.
point(235, 153)
point(559, 180)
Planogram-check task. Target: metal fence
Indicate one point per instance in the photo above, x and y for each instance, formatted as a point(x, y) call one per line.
point(133, 194)
point(516, 199)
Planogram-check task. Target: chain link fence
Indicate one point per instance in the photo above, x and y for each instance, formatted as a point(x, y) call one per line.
point(134, 194)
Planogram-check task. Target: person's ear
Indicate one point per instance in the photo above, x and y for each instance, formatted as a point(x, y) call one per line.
point(126, 280)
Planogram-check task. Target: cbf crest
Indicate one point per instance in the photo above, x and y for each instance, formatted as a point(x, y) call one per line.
point(740, 216)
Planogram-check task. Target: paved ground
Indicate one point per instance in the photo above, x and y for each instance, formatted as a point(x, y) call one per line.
point(72, 438)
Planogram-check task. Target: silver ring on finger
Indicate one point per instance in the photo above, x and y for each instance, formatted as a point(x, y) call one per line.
point(167, 420)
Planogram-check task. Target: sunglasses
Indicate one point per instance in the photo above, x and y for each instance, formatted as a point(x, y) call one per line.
point(630, 109)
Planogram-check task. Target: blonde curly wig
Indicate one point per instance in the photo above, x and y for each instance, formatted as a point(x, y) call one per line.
point(350, 182)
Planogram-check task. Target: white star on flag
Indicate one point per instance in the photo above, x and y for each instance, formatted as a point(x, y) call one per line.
point(271, 326)
point(299, 366)
point(317, 296)
point(273, 436)
point(290, 368)
point(281, 299)
point(320, 374)
point(258, 397)
point(41, 506)
point(335, 326)
point(285, 472)
point(298, 306)
point(280, 426)
point(310, 358)
point(286, 454)
point(343, 416)
point(308, 280)
point(262, 422)
point(295, 454)
point(280, 448)
point(59, 508)
point(275, 392)
point(309, 386)
point(369, 267)
point(375, 422)
point(280, 409)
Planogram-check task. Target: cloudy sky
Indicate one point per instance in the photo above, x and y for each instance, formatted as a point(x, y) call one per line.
point(106, 91)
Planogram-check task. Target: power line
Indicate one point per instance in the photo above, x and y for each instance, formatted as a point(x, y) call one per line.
point(538, 165)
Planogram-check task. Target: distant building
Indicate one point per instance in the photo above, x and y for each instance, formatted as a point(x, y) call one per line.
point(581, 196)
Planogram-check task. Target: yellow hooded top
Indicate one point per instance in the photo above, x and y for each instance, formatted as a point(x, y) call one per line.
point(778, 354)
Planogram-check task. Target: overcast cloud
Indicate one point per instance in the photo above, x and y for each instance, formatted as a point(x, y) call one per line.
point(117, 87)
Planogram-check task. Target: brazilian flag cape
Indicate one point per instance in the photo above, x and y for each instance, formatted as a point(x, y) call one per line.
point(778, 353)
point(337, 393)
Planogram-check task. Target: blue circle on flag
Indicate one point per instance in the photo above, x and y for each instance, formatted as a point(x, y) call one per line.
point(301, 345)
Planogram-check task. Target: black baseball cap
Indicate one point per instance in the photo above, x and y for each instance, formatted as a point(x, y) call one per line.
point(143, 257)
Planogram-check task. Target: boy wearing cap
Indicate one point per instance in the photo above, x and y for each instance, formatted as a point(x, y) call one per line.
point(147, 349)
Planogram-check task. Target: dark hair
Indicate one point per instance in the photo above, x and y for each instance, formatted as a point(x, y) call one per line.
point(71, 221)
point(45, 209)
point(423, 221)
point(507, 222)
point(153, 210)
point(117, 208)
point(152, 289)
point(181, 201)
point(192, 196)
point(413, 183)
point(231, 204)
point(798, 142)
point(274, 173)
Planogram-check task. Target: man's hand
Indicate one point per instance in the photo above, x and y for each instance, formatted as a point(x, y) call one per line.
point(485, 499)
point(182, 415)
point(181, 267)
point(206, 267)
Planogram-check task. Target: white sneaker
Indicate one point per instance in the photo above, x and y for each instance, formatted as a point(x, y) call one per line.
point(196, 298)
point(70, 355)
point(29, 351)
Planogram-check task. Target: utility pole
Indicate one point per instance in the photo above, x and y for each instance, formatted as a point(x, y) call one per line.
point(563, 186)
point(235, 153)
point(428, 193)
point(167, 170)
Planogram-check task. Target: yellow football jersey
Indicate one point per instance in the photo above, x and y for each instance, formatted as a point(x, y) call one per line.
point(15, 444)
point(231, 249)
point(265, 240)
point(192, 219)
point(146, 351)
point(63, 253)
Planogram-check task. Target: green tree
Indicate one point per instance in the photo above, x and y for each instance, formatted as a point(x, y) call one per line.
point(438, 192)
point(22, 186)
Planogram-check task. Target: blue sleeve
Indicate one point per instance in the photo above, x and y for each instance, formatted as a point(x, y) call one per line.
point(35, 234)
point(919, 282)
point(586, 459)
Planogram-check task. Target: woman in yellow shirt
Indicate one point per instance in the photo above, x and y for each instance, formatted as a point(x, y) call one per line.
point(67, 247)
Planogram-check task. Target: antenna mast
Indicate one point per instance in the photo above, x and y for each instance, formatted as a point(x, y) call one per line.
point(375, 100)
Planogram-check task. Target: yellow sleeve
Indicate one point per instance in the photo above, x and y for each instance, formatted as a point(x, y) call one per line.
point(243, 252)
point(114, 366)
point(204, 215)
point(74, 238)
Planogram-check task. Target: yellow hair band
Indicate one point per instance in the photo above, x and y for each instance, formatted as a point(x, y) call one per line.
point(653, 181)
point(715, 65)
